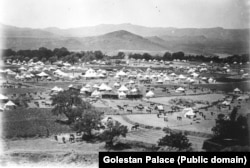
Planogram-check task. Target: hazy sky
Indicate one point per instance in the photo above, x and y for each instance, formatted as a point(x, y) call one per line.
point(153, 13)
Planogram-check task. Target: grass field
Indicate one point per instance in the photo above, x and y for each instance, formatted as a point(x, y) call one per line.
point(208, 97)
point(30, 123)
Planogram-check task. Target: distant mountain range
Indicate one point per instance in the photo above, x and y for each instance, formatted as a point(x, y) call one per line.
point(128, 37)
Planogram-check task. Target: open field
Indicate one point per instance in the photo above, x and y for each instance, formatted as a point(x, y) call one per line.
point(207, 97)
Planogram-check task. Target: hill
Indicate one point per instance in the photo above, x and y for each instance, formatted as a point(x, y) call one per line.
point(118, 40)
point(130, 37)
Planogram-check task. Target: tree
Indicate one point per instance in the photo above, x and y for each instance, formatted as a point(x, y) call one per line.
point(232, 128)
point(120, 55)
point(53, 59)
point(70, 104)
point(89, 121)
point(114, 130)
point(167, 57)
point(72, 58)
point(98, 55)
point(175, 140)
point(178, 55)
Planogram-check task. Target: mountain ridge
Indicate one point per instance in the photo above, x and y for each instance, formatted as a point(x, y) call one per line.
point(130, 37)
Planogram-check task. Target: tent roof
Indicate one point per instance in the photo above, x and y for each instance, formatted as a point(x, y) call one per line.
point(2, 97)
point(42, 74)
point(236, 90)
point(9, 103)
point(123, 88)
point(180, 89)
point(150, 94)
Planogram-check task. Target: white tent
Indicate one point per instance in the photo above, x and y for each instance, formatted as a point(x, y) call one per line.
point(121, 73)
point(166, 78)
point(70, 86)
point(236, 90)
point(90, 73)
point(188, 112)
point(22, 68)
point(123, 89)
point(180, 89)
point(204, 78)
point(96, 86)
point(42, 74)
point(194, 74)
point(66, 64)
point(9, 103)
point(226, 103)
point(134, 90)
point(101, 76)
point(160, 81)
point(160, 107)
point(122, 95)
point(84, 89)
point(131, 82)
point(2, 97)
point(56, 89)
point(172, 74)
point(88, 86)
point(181, 77)
point(104, 87)
point(96, 94)
point(116, 84)
point(150, 94)
point(210, 80)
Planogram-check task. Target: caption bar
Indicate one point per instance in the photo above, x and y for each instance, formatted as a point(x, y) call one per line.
point(180, 159)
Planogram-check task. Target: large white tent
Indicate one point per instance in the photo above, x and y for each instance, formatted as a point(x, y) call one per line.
point(9, 104)
point(188, 112)
point(2, 97)
point(150, 94)
point(180, 89)
point(42, 74)
point(104, 87)
point(96, 93)
point(121, 73)
point(123, 89)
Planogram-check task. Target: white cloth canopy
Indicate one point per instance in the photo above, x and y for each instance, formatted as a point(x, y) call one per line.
point(123, 89)
point(104, 87)
point(9, 103)
point(150, 94)
point(2, 97)
point(188, 112)
point(96, 93)
point(121, 73)
point(84, 89)
point(42, 74)
point(236, 90)
point(180, 89)
point(134, 90)
point(181, 77)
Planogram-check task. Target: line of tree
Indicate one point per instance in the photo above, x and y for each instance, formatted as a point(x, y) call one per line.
point(43, 54)
point(181, 56)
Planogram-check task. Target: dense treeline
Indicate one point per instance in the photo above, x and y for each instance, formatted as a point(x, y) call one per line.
point(44, 54)
point(181, 56)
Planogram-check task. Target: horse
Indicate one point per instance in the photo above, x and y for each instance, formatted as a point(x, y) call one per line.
point(130, 110)
point(135, 127)
point(179, 118)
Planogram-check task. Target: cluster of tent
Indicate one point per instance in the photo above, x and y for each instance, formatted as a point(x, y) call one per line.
point(91, 73)
point(160, 78)
point(97, 90)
